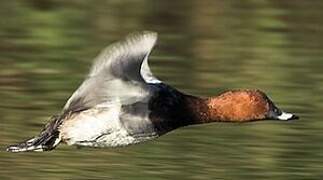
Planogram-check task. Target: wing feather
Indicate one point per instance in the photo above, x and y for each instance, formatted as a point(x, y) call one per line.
point(119, 73)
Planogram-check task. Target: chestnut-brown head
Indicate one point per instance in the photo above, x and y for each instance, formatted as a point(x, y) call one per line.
point(245, 105)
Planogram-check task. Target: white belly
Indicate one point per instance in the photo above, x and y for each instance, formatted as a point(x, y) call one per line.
point(102, 127)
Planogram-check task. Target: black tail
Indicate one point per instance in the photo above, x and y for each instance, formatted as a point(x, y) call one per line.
point(47, 140)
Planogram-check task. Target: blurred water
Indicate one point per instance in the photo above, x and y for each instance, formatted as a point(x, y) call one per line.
point(204, 47)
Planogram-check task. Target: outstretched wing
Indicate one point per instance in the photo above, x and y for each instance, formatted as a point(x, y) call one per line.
point(119, 74)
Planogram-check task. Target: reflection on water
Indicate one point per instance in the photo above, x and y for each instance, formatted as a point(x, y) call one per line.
point(204, 48)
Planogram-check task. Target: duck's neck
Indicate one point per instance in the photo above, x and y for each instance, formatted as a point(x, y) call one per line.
point(198, 110)
point(171, 109)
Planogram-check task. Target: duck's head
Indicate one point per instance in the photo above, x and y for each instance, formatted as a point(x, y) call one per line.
point(246, 105)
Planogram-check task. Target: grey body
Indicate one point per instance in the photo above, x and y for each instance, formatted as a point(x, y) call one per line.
point(114, 98)
point(111, 106)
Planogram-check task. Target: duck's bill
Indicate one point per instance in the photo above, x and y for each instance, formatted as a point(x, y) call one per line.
point(284, 116)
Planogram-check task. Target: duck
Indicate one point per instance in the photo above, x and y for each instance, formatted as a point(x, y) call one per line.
point(121, 102)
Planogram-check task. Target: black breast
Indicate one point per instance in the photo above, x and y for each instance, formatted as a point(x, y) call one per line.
point(168, 109)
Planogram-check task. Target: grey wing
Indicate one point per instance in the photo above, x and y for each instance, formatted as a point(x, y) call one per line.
point(120, 74)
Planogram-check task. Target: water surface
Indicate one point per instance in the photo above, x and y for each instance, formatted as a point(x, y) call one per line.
point(205, 47)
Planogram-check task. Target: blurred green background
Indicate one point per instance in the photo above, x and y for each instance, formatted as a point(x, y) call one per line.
point(205, 47)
